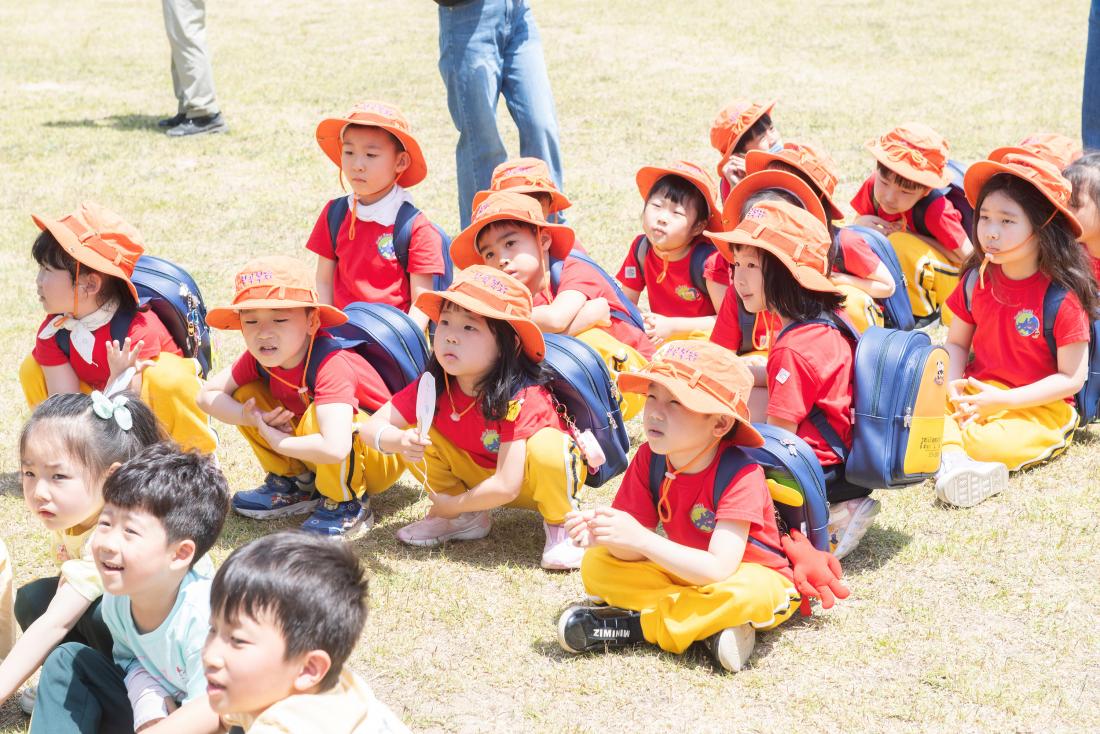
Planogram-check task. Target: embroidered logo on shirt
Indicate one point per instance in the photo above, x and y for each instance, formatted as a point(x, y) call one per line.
point(782, 376)
point(687, 293)
point(491, 440)
point(1027, 323)
point(385, 247)
point(631, 272)
point(703, 518)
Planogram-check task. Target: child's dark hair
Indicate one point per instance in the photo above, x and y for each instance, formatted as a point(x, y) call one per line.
point(790, 198)
point(49, 253)
point(313, 589)
point(500, 224)
point(896, 178)
point(1060, 257)
point(96, 443)
point(185, 490)
point(789, 298)
point(513, 370)
point(758, 128)
point(681, 192)
point(1084, 175)
point(396, 140)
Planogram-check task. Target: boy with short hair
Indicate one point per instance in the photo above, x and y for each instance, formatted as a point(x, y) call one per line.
point(925, 228)
point(286, 613)
point(302, 433)
point(164, 510)
point(375, 150)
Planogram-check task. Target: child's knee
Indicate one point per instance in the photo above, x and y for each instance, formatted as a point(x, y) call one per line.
point(171, 374)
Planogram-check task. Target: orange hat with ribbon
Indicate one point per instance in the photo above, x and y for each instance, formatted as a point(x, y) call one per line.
point(495, 295)
point(501, 206)
point(99, 239)
point(794, 236)
point(330, 136)
point(915, 152)
point(524, 176)
point(648, 176)
point(1060, 150)
point(732, 122)
point(1041, 174)
point(817, 166)
point(770, 178)
point(274, 281)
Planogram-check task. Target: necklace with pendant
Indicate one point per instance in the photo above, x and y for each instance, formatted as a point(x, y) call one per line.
point(456, 416)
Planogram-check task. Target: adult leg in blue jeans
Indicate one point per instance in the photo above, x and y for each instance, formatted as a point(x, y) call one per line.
point(81, 690)
point(1090, 99)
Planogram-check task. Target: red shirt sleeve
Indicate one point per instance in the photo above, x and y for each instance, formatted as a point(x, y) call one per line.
point(792, 389)
point(633, 496)
point(727, 327)
point(404, 402)
point(244, 370)
point(957, 301)
point(859, 259)
point(336, 381)
point(717, 269)
point(1071, 325)
point(319, 241)
point(863, 202)
point(425, 248)
point(630, 274)
point(580, 277)
point(745, 498)
point(151, 331)
point(944, 221)
point(534, 412)
point(46, 352)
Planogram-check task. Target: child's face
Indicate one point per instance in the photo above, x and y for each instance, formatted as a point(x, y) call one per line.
point(56, 488)
point(55, 290)
point(371, 161)
point(245, 665)
point(276, 337)
point(131, 550)
point(670, 428)
point(748, 278)
point(464, 345)
point(1088, 214)
point(892, 197)
point(670, 228)
point(516, 249)
point(1004, 231)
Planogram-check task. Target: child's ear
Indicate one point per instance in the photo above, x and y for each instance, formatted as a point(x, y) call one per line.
point(315, 666)
point(404, 160)
point(723, 425)
point(925, 191)
point(545, 240)
point(184, 554)
point(698, 228)
point(313, 321)
point(92, 283)
point(112, 469)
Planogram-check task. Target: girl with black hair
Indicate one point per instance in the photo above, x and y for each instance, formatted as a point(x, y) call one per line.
point(496, 438)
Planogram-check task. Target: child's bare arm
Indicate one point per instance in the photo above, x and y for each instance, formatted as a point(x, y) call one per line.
point(502, 487)
point(388, 430)
point(659, 328)
point(419, 283)
point(632, 294)
point(194, 717)
point(60, 379)
point(595, 313)
point(717, 293)
point(41, 638)
point(216, 399)
point(326, 276)
point(556, 316)
point(330, 446)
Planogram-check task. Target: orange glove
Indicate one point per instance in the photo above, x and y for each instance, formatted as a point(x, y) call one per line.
point(816, 573)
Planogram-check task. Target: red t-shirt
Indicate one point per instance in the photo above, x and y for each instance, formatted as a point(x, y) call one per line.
point(941, 218)
point(857, 256)
point(1007, 316)
point(719, 270)
point(344, 377)
point(367, 269)
point(581, 277)
point(531, 410)
point(691, 498)
point(727, 327)
point(812, 366)
point(146, 327)
point(677, 294)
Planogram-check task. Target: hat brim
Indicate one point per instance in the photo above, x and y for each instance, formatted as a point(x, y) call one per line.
point(464, 246)
point(530, 336)
point(806, 276)
point(330, 133)
point(648, 176)
point(558, 201)
point(767, 108)
point(770, 179)
point(229, 318)
point(908, 172)
point(979, 173)
point(696, 401)
point(83, 254)
point(757, 162)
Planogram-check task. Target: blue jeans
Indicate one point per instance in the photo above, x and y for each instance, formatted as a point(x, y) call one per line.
point(488, 48)
point(1090, 99)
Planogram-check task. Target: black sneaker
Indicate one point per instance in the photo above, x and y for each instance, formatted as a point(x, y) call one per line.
point(172, 121)
point(582, 629)
point(199, 126)
point(732, 647)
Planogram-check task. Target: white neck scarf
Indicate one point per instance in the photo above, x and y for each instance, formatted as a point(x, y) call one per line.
point(81, 330)
point(383, 211)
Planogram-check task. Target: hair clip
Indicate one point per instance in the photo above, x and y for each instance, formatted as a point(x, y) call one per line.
point(106, 408)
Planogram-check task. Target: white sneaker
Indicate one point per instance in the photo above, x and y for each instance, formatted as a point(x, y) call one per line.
point(559, 553)
point(732, 647)
point(963, 482)
point(27, 697)
point(432, 531)
point(848, 523)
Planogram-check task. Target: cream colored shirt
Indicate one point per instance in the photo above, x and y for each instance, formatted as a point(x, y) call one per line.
point(73, 555)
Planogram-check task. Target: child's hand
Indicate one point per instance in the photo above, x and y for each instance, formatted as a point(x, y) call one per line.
point(412, 445)
point(576, 525)
point(121, 358)
point(657, 328)
point(870, 220)
point(734, 170)
point(443, 505)
point(981, 400)
point(616, 529)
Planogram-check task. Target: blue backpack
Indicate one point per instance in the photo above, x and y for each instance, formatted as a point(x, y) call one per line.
point(955, 194)
point(172, 294)
point(628, 313)
point(699, 254)
point(402, 237)
point(588, 399)
point(897, 312)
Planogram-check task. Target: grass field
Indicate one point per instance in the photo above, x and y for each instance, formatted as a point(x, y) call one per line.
point(959, 620)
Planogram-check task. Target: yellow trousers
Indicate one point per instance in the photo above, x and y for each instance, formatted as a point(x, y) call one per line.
point(7, 603)
point(364, 470)
point(676, 613)
point(619, 358)
point(1019, 438)
point(169, 387)
point(930, 277)
point(860, 308)
point(553, 474)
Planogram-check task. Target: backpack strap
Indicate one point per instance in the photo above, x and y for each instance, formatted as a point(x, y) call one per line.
point(1052, 303)
point(641, 248)
point(402, 233)
point(323, 347)
point(120, 329)
point(747, 322)
point(337, 212)
point(969, 283)
point(700, 253)
point(920, 211)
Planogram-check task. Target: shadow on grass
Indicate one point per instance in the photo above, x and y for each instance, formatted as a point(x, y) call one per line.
point(878, 546)
point(144, 123)
point(10, 484)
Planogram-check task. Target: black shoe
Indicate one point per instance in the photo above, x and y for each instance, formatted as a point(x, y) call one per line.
point(199, 126)
point(582, 629)
point(172, 121)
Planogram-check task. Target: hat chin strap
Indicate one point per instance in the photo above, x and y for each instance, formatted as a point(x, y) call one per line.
point(989, 256)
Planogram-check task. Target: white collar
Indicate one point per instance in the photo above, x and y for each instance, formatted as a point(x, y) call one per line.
point(383, 211)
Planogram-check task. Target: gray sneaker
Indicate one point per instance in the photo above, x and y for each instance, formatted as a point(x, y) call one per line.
point(27, 697)
point(199, 126)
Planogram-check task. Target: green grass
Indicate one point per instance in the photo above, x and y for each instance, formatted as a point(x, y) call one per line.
point(979, 619)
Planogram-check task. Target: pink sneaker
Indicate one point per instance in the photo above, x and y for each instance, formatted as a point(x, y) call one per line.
point(432, 531)
point(559, 553)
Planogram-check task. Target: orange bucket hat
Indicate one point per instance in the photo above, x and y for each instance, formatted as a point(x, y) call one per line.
point(99, 239)
point(525, 176)
point(915, 152)
point(795, 236)
point(495, 295)
point(770, 178)
point(705, 377)
point(816, 165)
point(501, 206)
point(330, 136)
point(275, 281)
point(648, 176)
point(1041, 174)
point(1060, 150)
point(732, 122)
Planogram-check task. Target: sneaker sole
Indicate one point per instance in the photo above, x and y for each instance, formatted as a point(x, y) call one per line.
point(561, 629)
point(966, 486)
point(207, 131)
point(298, 508)
point(735, 647)
point(356, 531)
point(559, 566)
point(857, 528)
point(474, 533)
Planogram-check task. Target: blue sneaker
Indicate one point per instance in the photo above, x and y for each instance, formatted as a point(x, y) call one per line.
point(346, 520)
point(276, 497)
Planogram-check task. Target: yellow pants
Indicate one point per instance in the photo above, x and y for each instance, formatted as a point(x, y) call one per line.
point(860, 308)
point(364, 470)
point(552, 476)
point(7, 600)
point(169, 387)
point(930, 277)
point(676, 613)
point(1019, 438)
point(619, 358)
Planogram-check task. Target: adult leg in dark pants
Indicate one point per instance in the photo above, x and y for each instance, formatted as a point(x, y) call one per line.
point(81, 690)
